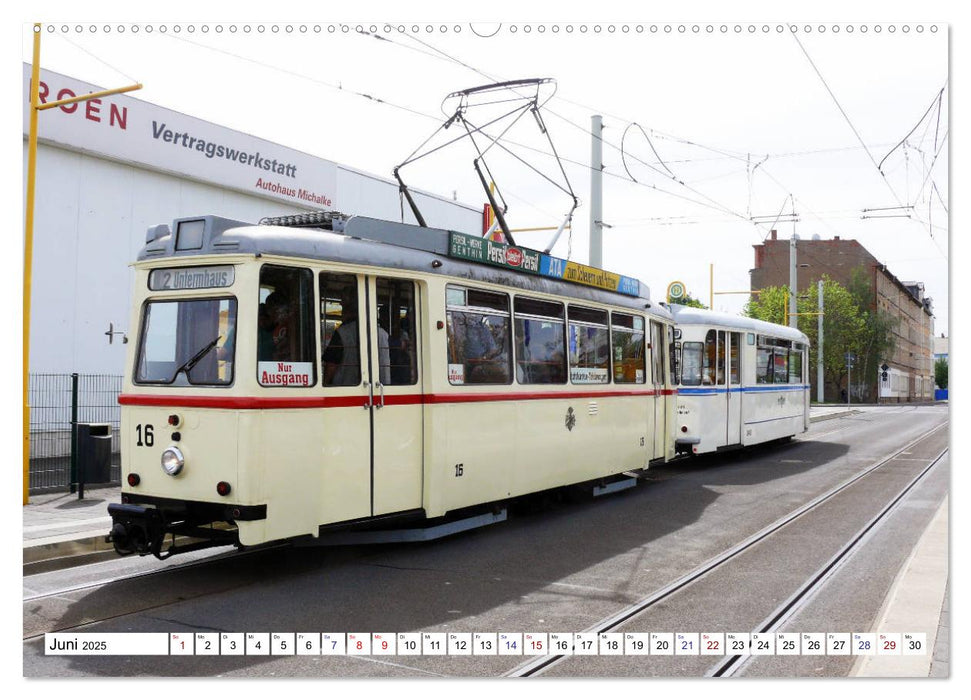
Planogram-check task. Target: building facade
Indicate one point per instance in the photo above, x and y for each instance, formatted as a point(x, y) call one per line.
point(909, 373)
point(109, 168)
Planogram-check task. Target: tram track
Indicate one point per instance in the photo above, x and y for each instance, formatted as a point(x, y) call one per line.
point(804, 593)
point(733, 665)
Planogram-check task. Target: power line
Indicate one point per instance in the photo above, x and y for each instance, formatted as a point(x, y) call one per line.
point(334, 86)
point(937, 99)
point(860, 139)
point(97, 58)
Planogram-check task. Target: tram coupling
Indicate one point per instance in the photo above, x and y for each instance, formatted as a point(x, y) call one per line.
point(140, 530)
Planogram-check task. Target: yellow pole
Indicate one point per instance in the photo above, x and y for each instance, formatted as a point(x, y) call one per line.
point(89, 96)
point(35, 108)
point(29, 246)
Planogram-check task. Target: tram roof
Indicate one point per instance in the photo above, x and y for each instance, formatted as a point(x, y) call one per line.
point(364, 241)
point(703, 317)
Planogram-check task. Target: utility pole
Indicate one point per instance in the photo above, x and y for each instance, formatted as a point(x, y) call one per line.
point(596, 191)
point(849, 385)
point(793, 316)
point(820, 392)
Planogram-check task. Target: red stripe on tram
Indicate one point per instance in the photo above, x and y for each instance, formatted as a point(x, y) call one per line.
point(241, 402)
point(271, 402)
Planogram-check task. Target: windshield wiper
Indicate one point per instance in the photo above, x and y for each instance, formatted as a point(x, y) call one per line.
point(194, 360)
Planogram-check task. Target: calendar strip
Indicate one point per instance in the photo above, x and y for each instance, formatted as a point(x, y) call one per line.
point(487, 644)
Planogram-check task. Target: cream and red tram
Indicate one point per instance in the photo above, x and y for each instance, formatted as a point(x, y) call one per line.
point(321, 372)
point(741, 381)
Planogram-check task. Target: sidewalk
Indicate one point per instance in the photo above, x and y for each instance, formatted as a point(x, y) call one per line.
point(918, 602)
point(59, 524)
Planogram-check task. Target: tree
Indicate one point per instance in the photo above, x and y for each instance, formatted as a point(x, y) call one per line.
point(768, 305)
point(877, 339)
point(843, 326)
point(940, 373)
point(688, 300)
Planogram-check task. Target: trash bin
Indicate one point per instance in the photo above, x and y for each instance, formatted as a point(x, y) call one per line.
point(94, 453)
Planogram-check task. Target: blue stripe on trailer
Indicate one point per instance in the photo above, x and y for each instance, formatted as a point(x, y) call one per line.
point(736, 390)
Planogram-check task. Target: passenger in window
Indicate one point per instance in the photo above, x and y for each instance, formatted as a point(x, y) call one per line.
point(224, 352)
point(481, 350)
point(342, 358)
point(400, 353)
point(278, 308)
point(264, 335)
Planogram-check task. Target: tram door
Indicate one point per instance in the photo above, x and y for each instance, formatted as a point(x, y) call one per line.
point(733, 426)
point(396, 407)
point(657, 373)
point(371, 350)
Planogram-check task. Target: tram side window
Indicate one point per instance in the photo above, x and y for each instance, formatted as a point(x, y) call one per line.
point(763, 366)
point(479, 341)
point(589, 346)
point(795, 366)
point(396, 317)
point(673, 348)
point(711, 361)
point(733, 367)
point(540, 342)
point(285, 330)
point(781, 365)
point(627, 334)
point(657, 353)
point(339, 330)
point(692, 355)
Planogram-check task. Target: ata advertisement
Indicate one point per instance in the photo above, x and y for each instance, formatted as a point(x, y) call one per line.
point(483, 250)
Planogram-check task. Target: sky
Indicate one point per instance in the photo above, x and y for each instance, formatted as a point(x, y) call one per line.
point(709, 125)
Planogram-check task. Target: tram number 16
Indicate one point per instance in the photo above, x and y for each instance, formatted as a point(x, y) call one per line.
point(146, 437)
point(459, 469)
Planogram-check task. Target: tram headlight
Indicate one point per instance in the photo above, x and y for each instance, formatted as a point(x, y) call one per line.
point(173, 461)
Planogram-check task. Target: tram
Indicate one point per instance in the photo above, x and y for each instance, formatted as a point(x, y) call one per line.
point(322, 372)
point(740, 381)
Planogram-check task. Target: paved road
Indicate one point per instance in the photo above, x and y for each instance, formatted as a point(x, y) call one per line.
point(563, 568)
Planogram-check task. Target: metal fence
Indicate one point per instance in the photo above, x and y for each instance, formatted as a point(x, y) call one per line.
point(54, 404)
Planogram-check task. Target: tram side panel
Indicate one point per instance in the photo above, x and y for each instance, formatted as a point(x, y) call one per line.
point(567, 441)
point(773, 414)
point(469, 446)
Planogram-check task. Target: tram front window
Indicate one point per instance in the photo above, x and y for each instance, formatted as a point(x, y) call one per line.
point(188, 341)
